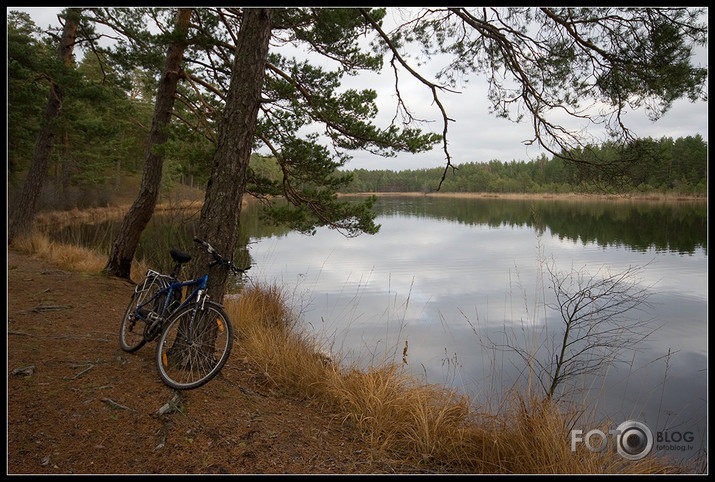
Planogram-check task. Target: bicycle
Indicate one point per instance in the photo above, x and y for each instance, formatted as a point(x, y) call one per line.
point(195, 335)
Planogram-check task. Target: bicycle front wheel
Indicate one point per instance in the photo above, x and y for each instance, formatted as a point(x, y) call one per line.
point(131, 332)
point(194, 346)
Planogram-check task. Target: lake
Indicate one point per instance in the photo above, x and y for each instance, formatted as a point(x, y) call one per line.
point(450, 286)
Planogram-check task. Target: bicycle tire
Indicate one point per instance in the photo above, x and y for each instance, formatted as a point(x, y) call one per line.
point(131, 332)
point(185, 366)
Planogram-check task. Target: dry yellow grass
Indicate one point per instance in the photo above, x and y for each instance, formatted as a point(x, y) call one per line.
point(70, 257)
point(430, 426)
point(96, 215)
point(265, 330)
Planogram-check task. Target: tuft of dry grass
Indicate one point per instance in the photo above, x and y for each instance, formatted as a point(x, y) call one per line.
point(266, 330)
point(69, 256)
point(531, 436)
point(395, 411)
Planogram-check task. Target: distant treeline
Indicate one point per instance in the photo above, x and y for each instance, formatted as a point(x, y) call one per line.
point(645, 165)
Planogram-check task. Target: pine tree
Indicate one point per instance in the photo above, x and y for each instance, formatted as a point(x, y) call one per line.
point(25, 209)
point(138, 216)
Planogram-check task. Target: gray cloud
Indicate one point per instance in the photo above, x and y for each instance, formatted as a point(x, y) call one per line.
point(476, 135)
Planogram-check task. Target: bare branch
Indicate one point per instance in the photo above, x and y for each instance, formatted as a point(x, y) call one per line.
point(434, 88)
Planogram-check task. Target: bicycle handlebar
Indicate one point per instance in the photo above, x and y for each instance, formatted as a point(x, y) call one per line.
point(218, 259)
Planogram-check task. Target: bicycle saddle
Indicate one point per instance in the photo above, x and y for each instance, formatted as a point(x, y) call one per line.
point(180, 257)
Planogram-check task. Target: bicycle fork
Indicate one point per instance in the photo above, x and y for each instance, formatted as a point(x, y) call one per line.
point(190, 340)
point(201, 298)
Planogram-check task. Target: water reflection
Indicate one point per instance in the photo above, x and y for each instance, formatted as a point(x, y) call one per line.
point(450, 275)
point(450, 281)
point(679, 227)
point(669, 227)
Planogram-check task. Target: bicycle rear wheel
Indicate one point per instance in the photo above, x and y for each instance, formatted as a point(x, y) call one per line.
point(194, 346)
point(131, 332)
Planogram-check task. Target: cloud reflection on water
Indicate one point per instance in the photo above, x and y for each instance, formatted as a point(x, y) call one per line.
point(448, 287)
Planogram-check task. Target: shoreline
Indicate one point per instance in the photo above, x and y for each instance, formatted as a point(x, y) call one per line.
point(645, 197)
point(98, 214)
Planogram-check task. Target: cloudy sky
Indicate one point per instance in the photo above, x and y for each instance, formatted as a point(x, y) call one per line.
point(476, 135)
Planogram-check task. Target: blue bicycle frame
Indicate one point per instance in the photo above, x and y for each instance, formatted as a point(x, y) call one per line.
point(149, 315)
point(154, 316)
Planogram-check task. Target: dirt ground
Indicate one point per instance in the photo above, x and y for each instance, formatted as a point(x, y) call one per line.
point(78, 404)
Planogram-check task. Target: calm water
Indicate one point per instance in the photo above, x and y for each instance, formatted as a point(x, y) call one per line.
point(450, 278)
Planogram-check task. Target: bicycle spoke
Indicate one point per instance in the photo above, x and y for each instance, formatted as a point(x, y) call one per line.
point(194, 347)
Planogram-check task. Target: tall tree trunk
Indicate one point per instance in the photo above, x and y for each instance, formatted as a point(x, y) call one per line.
point(138, 216)
point(117, 176)
point(24, 212)
point(63, 180)
point(222, 207)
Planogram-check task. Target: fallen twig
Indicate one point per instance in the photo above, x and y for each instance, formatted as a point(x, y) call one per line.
point(40, 309)
point(24, 371)
point(170, 406)
point(20, 333)
point(89, 367)
point(114, 404)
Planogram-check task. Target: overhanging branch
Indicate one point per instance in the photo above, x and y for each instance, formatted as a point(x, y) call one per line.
point(434, 88)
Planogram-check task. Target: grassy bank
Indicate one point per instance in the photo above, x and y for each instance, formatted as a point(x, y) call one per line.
point(653, 197)
point(47, 219)
point(430, 426)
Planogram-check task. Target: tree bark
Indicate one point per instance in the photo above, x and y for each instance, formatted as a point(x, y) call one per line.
point(24, 212)
point(219, 220)
point(138, 216)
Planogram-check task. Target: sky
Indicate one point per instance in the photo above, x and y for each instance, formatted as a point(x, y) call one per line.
point(476, 135)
